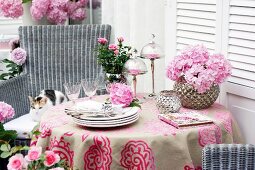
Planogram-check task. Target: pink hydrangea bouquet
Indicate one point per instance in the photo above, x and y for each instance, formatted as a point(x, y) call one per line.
point(35, 159)
point(198, 68)
point(121, 94)
point(56, 11)
point(14, 64)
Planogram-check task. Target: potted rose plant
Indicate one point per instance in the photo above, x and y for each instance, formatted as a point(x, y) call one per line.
point(112, 58)
point(197, 76)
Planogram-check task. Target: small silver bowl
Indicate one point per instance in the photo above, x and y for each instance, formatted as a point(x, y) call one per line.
point(168, 101)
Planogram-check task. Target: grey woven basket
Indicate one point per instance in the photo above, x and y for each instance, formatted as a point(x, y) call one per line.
point(190, 98)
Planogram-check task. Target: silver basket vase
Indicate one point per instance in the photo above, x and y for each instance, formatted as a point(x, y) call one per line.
point(191, 99)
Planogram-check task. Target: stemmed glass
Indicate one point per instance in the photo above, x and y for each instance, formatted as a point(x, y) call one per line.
point(72, 90)
point(90, 86)
point(134, 67)
point(152, 51)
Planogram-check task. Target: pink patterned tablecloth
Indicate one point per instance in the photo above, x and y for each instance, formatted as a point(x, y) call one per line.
point(147, 144)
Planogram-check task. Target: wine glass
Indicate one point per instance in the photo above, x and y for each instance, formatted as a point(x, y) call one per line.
point(90, 86)
point(72, 90)
point(134, 67)
point(152, 51)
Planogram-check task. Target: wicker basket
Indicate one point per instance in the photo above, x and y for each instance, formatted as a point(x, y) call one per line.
point(190, 98)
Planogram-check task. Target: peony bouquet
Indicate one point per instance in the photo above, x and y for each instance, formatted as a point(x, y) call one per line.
point(15, 62)
point(198, 68)
point(35, 159)
point(56, 11)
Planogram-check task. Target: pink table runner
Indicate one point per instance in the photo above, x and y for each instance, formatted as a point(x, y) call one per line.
point(144, 145)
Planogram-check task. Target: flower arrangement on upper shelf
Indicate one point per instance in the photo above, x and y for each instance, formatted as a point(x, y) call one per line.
point(113, 57)
point(202, 71)
point(56, 11)
point(14, 64)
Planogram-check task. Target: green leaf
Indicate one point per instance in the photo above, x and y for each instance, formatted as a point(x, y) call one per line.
point(5, 147)
point(5, 154)
point(135, 104)
point(25, 148)
point(25, 1)
point(36, 132)
point(16, 149)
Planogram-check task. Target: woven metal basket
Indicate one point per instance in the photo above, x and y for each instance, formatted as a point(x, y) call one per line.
point(190, 98)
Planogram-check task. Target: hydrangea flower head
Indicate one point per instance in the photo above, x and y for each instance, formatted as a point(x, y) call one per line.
point(200, 69)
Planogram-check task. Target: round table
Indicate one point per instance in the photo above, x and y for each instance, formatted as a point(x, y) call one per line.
point(146, 144)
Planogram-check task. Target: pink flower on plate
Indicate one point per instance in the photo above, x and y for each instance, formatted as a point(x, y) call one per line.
point(17, 162)
point(51, 158)
point(112, 47)
point(57, 168)
point(6, 111)
point(121, 94)
point(120, 39)
point(11, 8)
point(102, 41)
point(18, 56)
point(34, 153)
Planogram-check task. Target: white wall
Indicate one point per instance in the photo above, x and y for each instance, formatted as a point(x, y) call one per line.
point(135, 24)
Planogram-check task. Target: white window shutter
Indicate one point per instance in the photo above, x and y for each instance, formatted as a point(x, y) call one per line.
point(240, 41)
point(9, 26)
point(196, 23)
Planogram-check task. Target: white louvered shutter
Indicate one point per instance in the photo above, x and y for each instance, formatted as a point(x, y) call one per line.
point(196, 23)
point(241, 42)
point(9, 26)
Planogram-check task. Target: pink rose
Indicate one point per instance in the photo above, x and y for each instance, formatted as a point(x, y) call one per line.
point(112, 47)
point(120, 39)
point(116, 52)
point(34, 153)
point(121, 94)
point(57, 168)
point(6, 111)
point(51, 158)
point(17, 162)
point(102, 41)
point(18, 56)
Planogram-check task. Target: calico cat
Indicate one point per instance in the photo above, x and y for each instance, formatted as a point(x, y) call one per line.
point(41, 103)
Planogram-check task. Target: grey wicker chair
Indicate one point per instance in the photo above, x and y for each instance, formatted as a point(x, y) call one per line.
point(229, 156)
point(55, 55)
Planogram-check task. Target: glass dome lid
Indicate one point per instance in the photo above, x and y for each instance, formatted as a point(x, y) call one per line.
point(152, 50)
point(135, 66)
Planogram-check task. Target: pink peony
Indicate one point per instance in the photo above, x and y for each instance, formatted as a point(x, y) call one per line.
point(17, 162)
point(102, 41)
point(11, 8)
point(121, 94)
point(112, 47)
point(51, 158)
point(18, 56)
point(57, 168)
point(198, 68)
point(34, 153)
point(120, 39)
point(6, 111)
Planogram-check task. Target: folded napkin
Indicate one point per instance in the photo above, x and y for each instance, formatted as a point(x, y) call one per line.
point(89, 105)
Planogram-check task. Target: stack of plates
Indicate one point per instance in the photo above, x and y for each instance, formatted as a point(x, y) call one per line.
point(103, 116)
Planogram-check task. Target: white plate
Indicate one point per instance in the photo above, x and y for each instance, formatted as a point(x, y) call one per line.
point(125, 112)
point(107, 121)
point(109, 125)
